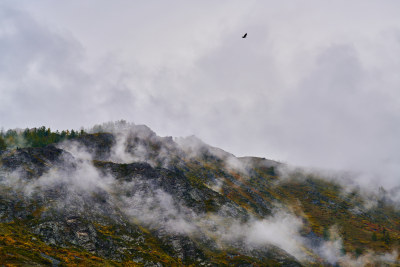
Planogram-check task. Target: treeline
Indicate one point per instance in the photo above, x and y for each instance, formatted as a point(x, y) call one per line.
point(35, 137)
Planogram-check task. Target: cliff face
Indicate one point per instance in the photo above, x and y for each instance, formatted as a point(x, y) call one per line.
point(133, 198)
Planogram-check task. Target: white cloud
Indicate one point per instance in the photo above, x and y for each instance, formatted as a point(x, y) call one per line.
point(314, 83)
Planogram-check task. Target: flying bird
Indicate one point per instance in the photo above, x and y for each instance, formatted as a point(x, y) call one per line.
point(244, 36)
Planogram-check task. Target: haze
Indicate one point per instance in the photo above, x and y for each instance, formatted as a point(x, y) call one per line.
point(315, 83)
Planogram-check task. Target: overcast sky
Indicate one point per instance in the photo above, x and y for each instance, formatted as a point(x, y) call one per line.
point(315, 83)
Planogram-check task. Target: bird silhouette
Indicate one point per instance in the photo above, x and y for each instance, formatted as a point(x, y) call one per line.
point(244, 36)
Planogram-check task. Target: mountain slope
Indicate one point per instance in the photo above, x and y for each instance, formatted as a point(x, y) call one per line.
point(125, 196)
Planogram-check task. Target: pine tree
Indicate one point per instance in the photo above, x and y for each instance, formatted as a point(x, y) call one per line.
point(386, 238)
point(73, 134)
point(374, 237)
point(325, 233)
point(3, 145)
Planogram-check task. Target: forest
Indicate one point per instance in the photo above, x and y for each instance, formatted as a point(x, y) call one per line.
point(35, 137)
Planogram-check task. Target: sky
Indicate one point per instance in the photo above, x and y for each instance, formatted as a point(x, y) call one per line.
point(315, 83)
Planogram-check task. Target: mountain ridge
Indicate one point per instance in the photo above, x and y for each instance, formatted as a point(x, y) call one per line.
point(129, 197)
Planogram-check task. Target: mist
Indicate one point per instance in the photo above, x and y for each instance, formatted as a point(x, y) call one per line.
point(79, 183)
point(313, 85)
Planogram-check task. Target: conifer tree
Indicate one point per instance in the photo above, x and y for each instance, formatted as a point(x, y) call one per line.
point(3, 145)
point(374, 237)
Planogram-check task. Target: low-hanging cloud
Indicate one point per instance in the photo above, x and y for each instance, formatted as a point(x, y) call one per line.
point(144, 202)
point(314, 84)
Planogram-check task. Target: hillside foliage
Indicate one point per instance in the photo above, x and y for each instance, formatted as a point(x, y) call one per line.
point(35, 137)
point(93, 228)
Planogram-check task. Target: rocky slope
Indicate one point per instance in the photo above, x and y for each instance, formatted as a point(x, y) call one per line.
point(128, 197)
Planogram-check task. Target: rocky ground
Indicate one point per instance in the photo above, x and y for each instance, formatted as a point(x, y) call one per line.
point(134, 198)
